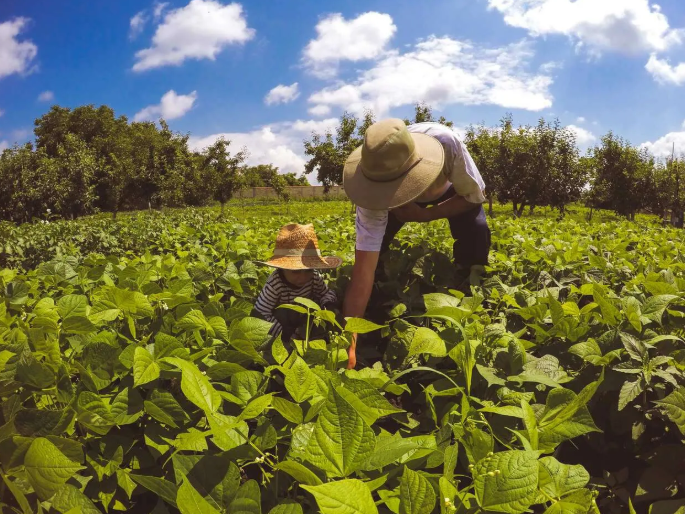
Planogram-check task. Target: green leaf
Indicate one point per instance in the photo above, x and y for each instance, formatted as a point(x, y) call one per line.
point(247, 500)
point(531, 424)
point(166, 490)
point(635, 348)
point(299, 472)
point(287, 507)
point(416, 493)
point(162, 406)
point(289, 410)
point(194, 320)
point(250, 332)
point(19, 496)
point(126, 407)
point(629, 391)
point(145, 369)
point(566, 410)
point(300, 381)
point(426, 341)
point(215, 477)
point(578, 502)
point(47, 468)
point(256, 407)
point(556, 479)
point(343, 497)
point(93, 413)
point(189, 501)
point(72, 305)
point(307, 303)
point(361, 326)
point(655, 306)
point(366, 400)
point(390, 449)
point(507, 481)
point(193, 440)
point(342, 441)
point(668, 507)
point(195, 385)
point(219, 327)
point(608, 309)
point(674, 405)
point(69, 497)
point(78, 325)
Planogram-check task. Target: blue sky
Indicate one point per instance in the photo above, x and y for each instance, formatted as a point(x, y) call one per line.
point(266, 73)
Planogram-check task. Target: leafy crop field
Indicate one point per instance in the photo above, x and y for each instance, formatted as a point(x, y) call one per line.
point(132, 377)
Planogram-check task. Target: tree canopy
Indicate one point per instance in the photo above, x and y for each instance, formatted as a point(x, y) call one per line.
point(87, 160)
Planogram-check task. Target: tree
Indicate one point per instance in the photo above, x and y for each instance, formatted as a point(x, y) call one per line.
point(224, 171)
point(424, 113)
point(327, 155)
point(622, 176)
point(483, 145)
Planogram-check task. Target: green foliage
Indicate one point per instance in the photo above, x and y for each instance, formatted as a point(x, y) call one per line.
point(133, 378)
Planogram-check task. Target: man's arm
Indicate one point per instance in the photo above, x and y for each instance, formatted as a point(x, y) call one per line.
point(447, 209)
point(358, 293)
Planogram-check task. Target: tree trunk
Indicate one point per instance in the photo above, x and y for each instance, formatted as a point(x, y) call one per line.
point(490, 207)
point(521, 207)
point(516, 211)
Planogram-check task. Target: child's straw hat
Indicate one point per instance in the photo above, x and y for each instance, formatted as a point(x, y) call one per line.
point(297, 248)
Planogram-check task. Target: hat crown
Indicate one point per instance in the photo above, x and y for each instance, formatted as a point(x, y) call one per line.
point(297, 237)
point(388, 151)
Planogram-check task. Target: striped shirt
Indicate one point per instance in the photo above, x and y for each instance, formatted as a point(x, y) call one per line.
point(278, 291)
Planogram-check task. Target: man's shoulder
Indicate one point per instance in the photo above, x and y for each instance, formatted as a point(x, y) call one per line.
point(441, 132)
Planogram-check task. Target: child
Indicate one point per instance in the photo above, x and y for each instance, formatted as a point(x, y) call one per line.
point(296, 259)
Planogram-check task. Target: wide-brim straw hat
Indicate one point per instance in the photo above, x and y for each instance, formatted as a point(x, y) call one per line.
point(393, 167)
point(297, 248)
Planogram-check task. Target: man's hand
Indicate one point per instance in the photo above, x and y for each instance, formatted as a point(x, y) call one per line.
point(410, 212)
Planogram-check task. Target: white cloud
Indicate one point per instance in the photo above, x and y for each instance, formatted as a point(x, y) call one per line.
point(628, 26)
point(319, 110)
point(137, 24)
point(46, 96)
point(200, 30)
point(4, 145)
point(663, 147)
point(1, 112)
point(279, 144)
point(443, 71)
point(580, 119)
point(282, 94)
point(362, 38)
point(584, 137)
point(664, 72)
point(15, 56)
point(158, 9)
point(172, 106)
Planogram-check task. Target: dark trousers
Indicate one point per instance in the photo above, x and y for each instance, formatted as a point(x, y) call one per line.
point(470, 231)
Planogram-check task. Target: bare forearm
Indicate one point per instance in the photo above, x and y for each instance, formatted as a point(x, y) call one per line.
point(451, 207)
point(360, 287)
point(357, 297)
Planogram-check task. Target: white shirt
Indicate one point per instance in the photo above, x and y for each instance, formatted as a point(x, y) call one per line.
point(461, 173)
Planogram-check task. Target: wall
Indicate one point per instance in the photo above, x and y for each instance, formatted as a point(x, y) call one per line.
point(295, 192)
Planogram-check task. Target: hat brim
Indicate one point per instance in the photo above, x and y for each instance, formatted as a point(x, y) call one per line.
point(303, 263)
point(374, 195)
